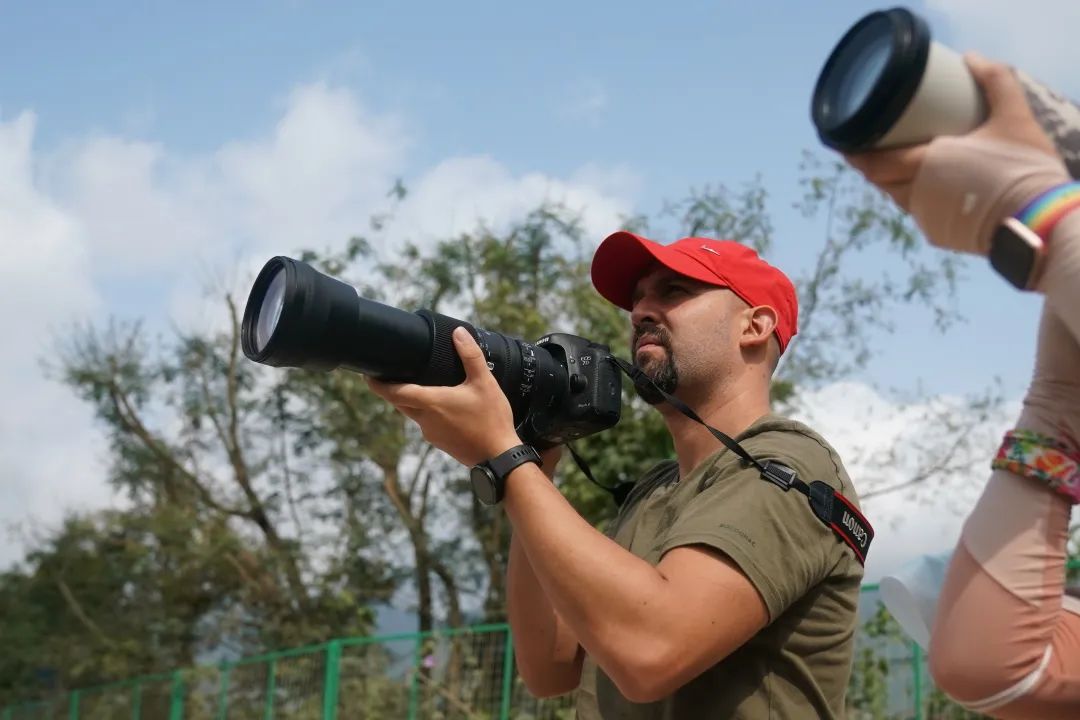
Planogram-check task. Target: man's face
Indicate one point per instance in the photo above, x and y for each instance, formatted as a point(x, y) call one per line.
point(681, 331)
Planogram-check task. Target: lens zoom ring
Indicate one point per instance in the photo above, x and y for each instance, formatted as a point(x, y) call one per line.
point(444, 366)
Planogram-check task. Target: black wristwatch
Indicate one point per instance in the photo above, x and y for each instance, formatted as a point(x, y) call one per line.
point(489, 478)
point(1017, 253)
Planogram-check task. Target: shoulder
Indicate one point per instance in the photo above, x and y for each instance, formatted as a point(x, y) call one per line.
point(660, 473)
point(792, 443)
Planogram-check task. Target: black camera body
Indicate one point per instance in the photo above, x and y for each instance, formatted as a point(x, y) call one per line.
point(561, 388)
point(593, 401)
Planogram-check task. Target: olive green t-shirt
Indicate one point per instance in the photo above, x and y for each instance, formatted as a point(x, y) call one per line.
point(799, 664)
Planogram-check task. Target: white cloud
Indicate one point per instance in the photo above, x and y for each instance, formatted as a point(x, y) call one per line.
point(1038, 37)
point(885, 443)
point(457, 193)
point(311, 181)
point(328, 164)
point(123, 195)
point(49, 452)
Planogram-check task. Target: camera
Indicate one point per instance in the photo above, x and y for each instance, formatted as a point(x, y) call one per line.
point(887, 84)
point(561, 388)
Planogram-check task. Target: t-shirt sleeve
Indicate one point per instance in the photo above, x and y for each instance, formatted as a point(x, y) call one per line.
point(772, 535)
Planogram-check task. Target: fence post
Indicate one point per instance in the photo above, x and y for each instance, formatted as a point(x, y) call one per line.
point(508, 675)
point(73, 706)
point(414, 681)
point(917, 670)
point(331, 680)
point(136, 701)
point(176, 697)
point(271, 688)
point(223, 696)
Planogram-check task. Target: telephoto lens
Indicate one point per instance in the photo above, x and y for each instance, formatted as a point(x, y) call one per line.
point(298, 317)
point(559, 389)
point(888, 84)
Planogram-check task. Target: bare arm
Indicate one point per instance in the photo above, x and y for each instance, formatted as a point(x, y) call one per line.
point(548, 654)
point(651, 629)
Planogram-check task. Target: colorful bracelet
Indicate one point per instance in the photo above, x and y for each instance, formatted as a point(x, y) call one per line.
point(1048, 208)
point(1043, 458)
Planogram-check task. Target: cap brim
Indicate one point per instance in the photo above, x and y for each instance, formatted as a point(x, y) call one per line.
point(623, 258)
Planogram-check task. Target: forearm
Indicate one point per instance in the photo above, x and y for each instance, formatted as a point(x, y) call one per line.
point(1060, 281)
point(547, 652)
point(615, 604)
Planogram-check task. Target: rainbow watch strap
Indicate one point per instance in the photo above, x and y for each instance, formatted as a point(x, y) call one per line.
point(1047, 209)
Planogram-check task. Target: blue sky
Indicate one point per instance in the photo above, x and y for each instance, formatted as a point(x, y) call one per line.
point(142, 143)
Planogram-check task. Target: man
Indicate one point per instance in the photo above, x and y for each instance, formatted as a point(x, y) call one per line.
point(716, 594)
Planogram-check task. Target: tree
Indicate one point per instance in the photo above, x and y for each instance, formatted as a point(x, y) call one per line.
point(225, 546)
point(115, 595)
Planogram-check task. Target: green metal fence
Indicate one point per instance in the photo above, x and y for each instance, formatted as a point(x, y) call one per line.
point(457, 674)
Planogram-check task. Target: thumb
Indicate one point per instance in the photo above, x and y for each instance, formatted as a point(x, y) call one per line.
point(472, 357)
point(1004, 94)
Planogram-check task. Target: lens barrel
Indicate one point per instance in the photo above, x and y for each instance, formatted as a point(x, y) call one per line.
point(299, 317)
point(323, 324)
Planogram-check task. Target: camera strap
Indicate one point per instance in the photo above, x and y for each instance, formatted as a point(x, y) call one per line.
point(828, 505)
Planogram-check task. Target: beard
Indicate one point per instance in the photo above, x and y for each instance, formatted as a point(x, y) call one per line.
point(661, 370)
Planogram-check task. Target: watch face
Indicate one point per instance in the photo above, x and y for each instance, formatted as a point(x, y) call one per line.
point(1015, 253)
point(484, 485)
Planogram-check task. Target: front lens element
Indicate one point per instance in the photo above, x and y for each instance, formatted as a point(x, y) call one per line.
point(270, 311)
point(861, 75)
point(857, 69)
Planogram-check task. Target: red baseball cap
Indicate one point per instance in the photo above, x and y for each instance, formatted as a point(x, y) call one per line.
point(623, 258)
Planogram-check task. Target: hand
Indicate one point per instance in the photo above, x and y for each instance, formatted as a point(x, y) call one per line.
point(551, 458)
point(1009, 120)
point(472, 422)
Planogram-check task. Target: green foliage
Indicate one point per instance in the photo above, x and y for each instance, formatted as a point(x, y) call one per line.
point(841, 312)
point(868, 692)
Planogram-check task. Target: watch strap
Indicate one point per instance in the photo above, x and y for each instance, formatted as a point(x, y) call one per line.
point(504, 463)
point(1047, 209)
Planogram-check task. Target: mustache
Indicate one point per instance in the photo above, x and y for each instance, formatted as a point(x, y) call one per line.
point(650, 333)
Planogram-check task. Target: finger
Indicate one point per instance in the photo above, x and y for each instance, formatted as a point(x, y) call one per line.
point(414, 414)
point(883, 167)
point(401, 395)
point(551, 456)
point(1011, 117)
point(472, 357)
point(1004, 93)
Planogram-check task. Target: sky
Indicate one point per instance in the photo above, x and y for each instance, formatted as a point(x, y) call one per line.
point(149, 149)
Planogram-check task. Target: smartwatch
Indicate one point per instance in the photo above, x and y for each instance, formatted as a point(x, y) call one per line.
point(1017, 253)
point(1018, 246)
point(489, 478)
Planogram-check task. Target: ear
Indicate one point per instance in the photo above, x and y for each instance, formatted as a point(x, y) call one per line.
point(758, 327)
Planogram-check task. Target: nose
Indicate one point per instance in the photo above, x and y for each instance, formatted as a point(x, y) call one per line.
point(643, 310)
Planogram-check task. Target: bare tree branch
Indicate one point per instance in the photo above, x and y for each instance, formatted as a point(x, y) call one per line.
point(80, 614)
